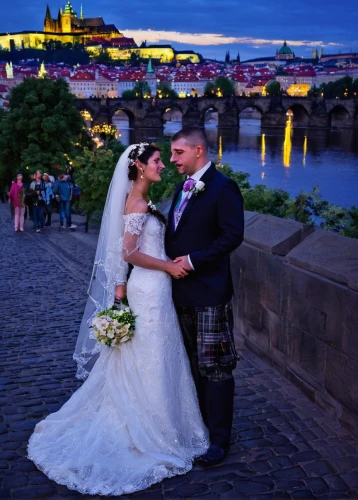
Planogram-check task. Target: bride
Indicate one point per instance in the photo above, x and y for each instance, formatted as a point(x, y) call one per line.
point(136, 419)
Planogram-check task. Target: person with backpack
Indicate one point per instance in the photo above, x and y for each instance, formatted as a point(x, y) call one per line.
point(38, 191)
point(17, 198)
point(63, 191)
point(49, 196)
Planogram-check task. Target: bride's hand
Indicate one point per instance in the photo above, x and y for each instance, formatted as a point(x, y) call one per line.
point(176, 270)
point(121, 292)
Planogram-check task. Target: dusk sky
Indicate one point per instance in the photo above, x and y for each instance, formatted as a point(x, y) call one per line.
point(253, 29)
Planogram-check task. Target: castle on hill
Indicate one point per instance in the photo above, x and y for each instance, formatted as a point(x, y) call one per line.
point(68, 22)
point(95, 34)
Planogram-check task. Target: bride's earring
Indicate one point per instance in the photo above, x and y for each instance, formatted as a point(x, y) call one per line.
point(141, 173)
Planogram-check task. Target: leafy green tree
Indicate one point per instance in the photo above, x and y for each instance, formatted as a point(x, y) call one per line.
point(128, 94)
point(210, 90)
point(103, 57)
point(140, 89)
point(273, 88)
point(225, 86)
point(355, 87)
point(164, 90)
point(41, 129)
point(94, 171)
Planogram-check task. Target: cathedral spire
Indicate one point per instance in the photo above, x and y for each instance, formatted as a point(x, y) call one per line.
point(48, 13)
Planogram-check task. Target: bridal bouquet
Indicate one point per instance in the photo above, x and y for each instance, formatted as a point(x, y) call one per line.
point(114, 326)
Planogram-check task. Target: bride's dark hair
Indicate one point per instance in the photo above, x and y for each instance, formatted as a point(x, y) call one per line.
point(133, 171)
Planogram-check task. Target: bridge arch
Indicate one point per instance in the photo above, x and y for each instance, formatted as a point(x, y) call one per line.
point(339, 116)
point(300, 117)
point(172, 114)
point(210, 115)
point(122, 109)
point(253, 106)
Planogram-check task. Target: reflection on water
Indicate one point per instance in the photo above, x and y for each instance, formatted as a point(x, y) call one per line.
point(287, 145)
point(304, 151)
point(263, 151)
point(327, 158)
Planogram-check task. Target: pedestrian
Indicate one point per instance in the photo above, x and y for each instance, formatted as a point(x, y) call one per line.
point(12, 208)
point(38, 190)
point(63, 191)
point(49, 196)
point(17, 198)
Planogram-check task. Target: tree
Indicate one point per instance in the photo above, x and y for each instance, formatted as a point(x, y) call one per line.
point(273, 88)
point(41, 129)
point(355, 87)
point(164, 90)
point(94, 171)
point(140, 89)
point(210, 90)
point(224, 86)
point(103, 57)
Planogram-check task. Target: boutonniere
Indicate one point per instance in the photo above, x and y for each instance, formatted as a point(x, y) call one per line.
point(199, 187)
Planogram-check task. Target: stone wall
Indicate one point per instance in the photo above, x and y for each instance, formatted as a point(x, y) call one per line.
point(296, 305)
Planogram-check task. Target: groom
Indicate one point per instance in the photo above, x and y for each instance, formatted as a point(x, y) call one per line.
point(206, 223)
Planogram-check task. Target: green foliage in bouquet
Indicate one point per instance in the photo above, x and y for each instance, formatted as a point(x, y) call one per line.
point(114, 326)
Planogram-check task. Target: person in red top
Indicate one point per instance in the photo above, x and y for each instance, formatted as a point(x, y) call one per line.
point(17, 197)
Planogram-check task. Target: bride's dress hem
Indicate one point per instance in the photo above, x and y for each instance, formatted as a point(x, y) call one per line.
point(123, 490)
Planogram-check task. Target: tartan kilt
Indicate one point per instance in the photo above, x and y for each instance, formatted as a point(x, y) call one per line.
point(214, 344)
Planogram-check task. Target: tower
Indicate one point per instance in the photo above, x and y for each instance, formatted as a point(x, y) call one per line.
point(67, 15)
point(9, 71)
point(48, 20)
point(151, 78)
point(81, 12)
point(42, 70)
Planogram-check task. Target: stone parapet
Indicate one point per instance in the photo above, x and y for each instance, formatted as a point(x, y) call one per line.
point(296, 305)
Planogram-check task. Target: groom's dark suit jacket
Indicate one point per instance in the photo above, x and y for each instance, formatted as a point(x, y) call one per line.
point(210, 228)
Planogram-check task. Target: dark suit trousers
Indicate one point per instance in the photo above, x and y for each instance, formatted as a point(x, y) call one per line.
point(216, 397)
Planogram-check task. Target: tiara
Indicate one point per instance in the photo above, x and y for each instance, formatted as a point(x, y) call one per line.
point(138, 150)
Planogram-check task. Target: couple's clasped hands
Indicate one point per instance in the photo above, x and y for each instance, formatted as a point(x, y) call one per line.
point(179, 267)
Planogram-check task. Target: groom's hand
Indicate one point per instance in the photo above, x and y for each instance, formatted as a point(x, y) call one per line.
point(184, 262)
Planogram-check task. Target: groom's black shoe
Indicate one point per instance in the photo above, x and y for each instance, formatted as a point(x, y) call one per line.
point(213, 456)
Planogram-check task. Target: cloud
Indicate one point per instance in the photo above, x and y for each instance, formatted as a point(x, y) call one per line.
point(204, 39)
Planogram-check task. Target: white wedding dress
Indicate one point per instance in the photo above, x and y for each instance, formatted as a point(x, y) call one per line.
point(136, 419)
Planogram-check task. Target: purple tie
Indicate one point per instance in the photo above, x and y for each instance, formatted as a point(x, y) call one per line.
point(188, 184)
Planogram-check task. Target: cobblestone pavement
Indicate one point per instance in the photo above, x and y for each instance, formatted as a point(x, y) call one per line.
point(283, 446)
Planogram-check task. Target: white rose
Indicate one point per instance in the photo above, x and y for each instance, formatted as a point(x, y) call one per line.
point(199, 186)
point(110, 334)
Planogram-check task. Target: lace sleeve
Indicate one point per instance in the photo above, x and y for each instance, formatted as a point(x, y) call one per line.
point(133, 227)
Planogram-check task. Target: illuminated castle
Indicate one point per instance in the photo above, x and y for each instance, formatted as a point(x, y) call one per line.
point(96, 36)
point(68, 22)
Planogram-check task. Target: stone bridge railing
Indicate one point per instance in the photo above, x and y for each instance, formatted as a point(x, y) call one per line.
point(296, 305)
point(148, 113)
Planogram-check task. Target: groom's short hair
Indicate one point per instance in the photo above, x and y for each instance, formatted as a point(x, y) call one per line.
point(195, 136)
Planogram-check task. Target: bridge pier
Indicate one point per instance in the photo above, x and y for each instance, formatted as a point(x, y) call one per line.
point(152, 119)
point(272, 119)
point(319, 121)
point(193, 118)
point(228, 119)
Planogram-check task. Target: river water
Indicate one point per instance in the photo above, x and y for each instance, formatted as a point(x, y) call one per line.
point(294, 159)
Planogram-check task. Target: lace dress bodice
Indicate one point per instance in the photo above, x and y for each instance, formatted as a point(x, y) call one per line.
point(146, 233)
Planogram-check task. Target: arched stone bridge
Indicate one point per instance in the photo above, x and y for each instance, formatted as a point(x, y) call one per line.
point(148, 113)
